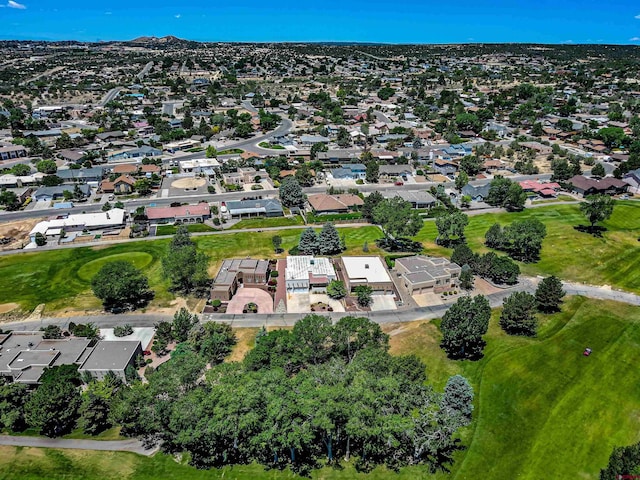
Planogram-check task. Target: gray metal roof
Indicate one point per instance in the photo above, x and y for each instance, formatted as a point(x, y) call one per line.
point(111, 355)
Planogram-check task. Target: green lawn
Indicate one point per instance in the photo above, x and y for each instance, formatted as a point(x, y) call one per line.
point(61, 278)
point(273, 146)
point(612, 260)
point(263, 222)
point(193, 228)
point(542, 410)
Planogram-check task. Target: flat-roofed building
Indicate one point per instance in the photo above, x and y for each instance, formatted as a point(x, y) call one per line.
point(246, 271)
point(305, 272)
point(25, 355)
point(111, 356)
point(422, 274)
point(369, 271)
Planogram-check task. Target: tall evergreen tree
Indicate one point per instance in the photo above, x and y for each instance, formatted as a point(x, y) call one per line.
point(329, 240)
point(518, 315)
point(458, 397)
point(549, 294)
point(309, 243)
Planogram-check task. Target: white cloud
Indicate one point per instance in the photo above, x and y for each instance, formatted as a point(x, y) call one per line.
point(634, 39)
point(177, 16)
point(12, 4)
point(637, 17)
point(566, 42)
point(107, 13)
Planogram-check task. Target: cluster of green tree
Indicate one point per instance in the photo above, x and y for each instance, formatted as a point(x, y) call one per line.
point(451, 227)
point(9, 200)
point(522, 239)
point(57, 406)
point(597, 208)
point(396, 217)
point(185, 266)
point(268, 121)
point(563, 170)
point(499, 269)
point(329, 109)
point(327, 242)
point(301, 399)
point(291, 194)
point(121, 286)
point(624, 462)
point(505, 193)
point(519, 309)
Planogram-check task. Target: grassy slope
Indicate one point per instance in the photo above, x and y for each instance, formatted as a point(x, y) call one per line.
point(61, 278)
point(543, 410)
point(613, 259)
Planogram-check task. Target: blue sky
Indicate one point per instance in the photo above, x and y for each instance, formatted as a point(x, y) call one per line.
point(400, 21)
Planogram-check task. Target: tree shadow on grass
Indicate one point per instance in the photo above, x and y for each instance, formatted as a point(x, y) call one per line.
point(595, 230)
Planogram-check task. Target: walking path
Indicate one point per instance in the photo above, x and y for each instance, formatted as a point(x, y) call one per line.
point(134, 446)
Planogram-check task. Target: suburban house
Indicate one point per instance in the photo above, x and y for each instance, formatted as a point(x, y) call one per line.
point(269, 207)
point(25, 355)
point(390, 172)
point(233, 178)
point(342, 203)
point(126, 169)
point(109, 220)
point(590, 186)
point(107, 137)
point(349, 171)
point(53, 193)
point(305, 272)
point(549, 189)
point(138, 152)
point(10, 152)
point(416, 198)
point(338, 156)
point(478, 193)
point(445, 167)
point(81, 175)
point(200, 165)
point(632, 179)
point(246, 271)
point(371, 271)
point(122, 184)
point(111, 356)
point(197, 213)
point(422, 274)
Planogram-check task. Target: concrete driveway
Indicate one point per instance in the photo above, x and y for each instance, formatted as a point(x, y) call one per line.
point(298, 302)
point(383, 302)
point(250, 295)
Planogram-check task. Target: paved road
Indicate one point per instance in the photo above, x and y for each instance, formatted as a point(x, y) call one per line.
point(110, 95)
point(145, 70)
point(134, 446)
point(402, 315)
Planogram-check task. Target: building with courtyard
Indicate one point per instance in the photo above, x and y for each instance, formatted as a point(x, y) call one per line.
point(422, 274)
point(235, 272)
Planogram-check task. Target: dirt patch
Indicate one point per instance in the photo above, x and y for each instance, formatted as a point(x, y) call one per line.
point(7, 307)
point(189, 183)
point(17, 232)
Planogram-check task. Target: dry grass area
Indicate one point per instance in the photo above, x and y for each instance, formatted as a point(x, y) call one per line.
point(18, 232)
point(246, 341)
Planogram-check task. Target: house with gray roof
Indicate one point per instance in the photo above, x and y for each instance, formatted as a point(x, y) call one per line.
point(245, 271)
point(422, 274)
point(82, 175)
point(53, 193)
point(269, 207)
point(111, 356)
point(478, 193)
point(417, 199)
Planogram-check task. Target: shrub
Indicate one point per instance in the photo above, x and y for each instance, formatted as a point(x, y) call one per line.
point(216, 303)
point(123, 330)
point(274, 274)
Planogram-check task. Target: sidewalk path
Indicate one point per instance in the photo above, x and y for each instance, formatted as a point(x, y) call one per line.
point(134, 446)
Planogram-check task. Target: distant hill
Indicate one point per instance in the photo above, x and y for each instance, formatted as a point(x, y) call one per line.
point(169, 39)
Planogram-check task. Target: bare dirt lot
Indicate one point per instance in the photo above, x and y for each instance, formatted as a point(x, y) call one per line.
point(18, 232)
